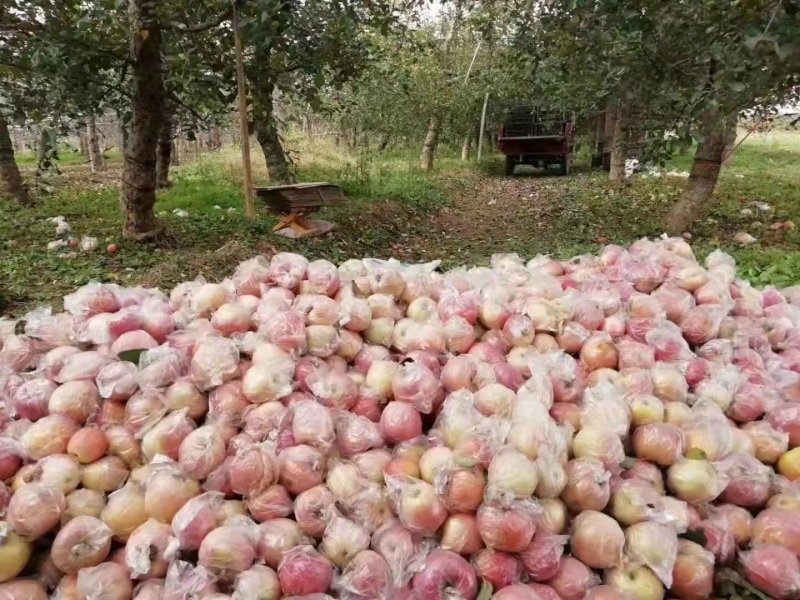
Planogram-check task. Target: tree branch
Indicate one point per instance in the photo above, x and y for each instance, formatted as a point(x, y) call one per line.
point(174, 98)
point(201, 27)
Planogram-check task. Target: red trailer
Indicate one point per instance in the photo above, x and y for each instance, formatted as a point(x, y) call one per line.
point(532, 135)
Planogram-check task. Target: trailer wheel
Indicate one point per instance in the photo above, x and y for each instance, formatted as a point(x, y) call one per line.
point(565, 166)
point(511, 162)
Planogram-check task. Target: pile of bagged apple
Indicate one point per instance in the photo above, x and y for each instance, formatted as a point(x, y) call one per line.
point(624, 426)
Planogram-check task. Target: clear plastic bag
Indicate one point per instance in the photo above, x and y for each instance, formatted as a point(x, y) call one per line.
point(666, 340)
point(322, 277)
point(287, 270)
point(18, 353)
point(215, 361)
point(708, 431)
point(251, 275)
point(652, 545)
point(403, 550)
point(304, 571)
point(252, 470)
point(542, 556)
point(197, 518)
point(117, 380)
point(634, 355)
point(186, 582)
point(133, 340)
point(605, 409)
point(720, 540)
point(91, 299)
point(160, 367)
point(49, 330)
point(356, 434)
point(30, 400)
point(416, 385)
point(343, 540)
point(259, 581)
point(749, 481)
point(146, 552)
point(773, 569)
point(701, 323)
point(366, 576)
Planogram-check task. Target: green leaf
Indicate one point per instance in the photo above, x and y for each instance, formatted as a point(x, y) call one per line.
point(131, 355)
point(698, 536)
point(485, 592)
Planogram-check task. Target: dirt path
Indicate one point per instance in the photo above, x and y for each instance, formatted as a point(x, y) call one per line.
point(492, 213)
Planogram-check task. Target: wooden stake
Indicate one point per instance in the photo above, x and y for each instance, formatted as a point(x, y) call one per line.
point(483, 126)
point(474, 56)
point(249, 204)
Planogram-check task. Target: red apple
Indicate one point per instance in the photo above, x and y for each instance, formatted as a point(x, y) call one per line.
point(545, 591)
point(311, 508)
point(464, 489)
point(416, 503)
point(573, 579)
point(693, 573)
point(304, 571)
point(501, 569)
point(772, 569)
point(518, 591)
point(542, 558)
point(445, 575)
point(460, 534)
point(506, 529)
point(366, 576)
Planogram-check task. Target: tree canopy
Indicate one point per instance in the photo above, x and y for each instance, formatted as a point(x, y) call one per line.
point(397, 71)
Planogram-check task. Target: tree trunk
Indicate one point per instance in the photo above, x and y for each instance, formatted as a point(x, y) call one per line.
point(95, 155)
point(619, 145)
point(123, 136)
point(11, 184)
point(599, 134)
point(164, 150)
point(147, 101)
point(267, 136)
point(430, 144)
point(173, 153)
point(384, 141)
point(83, 145)
point(609, 123)
point(466, 148)
point(730, 141)
point(43, 163)
point(494, 141)
point(703, 177)
point(215, 138)
point(341, 134)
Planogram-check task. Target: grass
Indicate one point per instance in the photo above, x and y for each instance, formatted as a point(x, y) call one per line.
point(459, 213)
point(65, 157)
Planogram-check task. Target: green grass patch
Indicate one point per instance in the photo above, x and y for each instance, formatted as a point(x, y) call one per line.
point(460, 213)
point(65, 157)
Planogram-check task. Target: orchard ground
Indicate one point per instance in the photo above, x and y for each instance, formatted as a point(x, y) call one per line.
point(461, 214)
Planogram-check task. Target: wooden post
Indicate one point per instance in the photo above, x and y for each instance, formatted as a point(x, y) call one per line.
point(472, 64)
point(483, 126)
point(249, 204)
